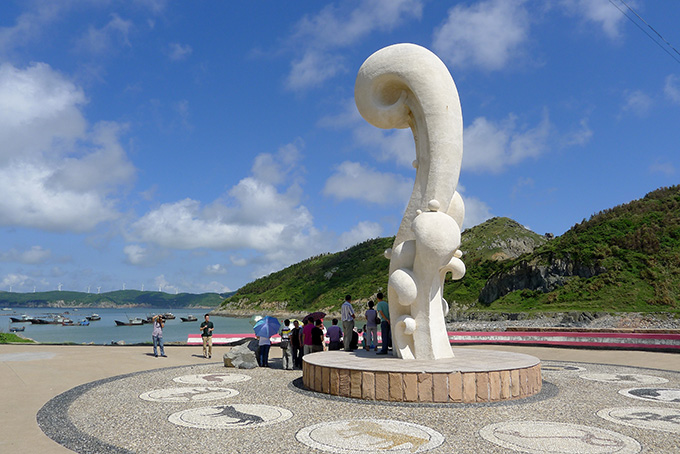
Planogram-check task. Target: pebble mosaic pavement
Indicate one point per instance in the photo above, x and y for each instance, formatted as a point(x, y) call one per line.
point(583, 408)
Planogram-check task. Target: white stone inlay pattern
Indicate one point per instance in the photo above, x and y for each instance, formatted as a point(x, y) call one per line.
point(370, 436)
point(189, 394)
point(541, 437)
point(656, 418)
point(211, 379)
point(663, 395)
point(638, 379)
point(230, 416)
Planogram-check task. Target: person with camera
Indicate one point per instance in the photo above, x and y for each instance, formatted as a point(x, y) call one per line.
point(157, 335)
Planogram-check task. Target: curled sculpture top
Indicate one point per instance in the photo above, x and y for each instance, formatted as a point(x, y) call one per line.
point(402, 86)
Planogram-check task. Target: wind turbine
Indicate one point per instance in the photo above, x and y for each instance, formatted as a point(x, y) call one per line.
point(88, 289)
point(60, 284)
point(160, 288)
point(123, 285)
point(10, 289)
point(34, 289)
point(98, 289)
point(142, 287)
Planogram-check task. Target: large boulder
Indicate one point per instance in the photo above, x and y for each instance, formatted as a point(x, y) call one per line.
point(240, 357)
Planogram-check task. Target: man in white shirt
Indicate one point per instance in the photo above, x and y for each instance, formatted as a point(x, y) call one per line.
point(347, 313)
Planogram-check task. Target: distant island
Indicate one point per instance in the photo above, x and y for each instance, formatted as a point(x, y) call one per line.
point(115, 299)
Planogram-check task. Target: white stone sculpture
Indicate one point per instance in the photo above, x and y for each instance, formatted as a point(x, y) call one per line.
point(407, 86)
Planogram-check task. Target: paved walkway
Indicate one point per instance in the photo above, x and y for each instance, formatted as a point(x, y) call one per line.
point(121, 399)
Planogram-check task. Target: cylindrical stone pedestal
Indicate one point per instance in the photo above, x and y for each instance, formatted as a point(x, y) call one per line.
point(471, 376)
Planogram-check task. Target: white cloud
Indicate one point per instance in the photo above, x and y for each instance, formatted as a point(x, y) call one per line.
point(312, 69)
point(101, 40)
point(238, 261)
point(486, 34)
point(215, 269)
point(476, 212)
point(360, 233)
point(34, 255)
point(396, 145)
point(316, 37)
point(29, 25)
point(601, 12)
point(491, 147)
point(177, 51)
point(14, 279)
point(252, 214)
point(672, 88)
point(580, 136)
point(55, 173)
point(351, 180)
point(165, 286)
point(139, 255)
point(662, 166)
point(638, 103)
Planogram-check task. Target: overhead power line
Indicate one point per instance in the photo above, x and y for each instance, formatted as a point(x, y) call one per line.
point(675, 55)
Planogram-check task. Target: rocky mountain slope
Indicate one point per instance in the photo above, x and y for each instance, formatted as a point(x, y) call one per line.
point(626, 258)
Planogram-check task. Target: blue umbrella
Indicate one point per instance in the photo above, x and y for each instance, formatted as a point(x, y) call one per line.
point(267, 327)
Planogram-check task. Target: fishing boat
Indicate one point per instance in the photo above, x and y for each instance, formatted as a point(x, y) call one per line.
point(93, 317)
point(169, 316)
point(55, 320)
point(6, 308)
point(189, 318)
point(24, 319)
point(131, 322)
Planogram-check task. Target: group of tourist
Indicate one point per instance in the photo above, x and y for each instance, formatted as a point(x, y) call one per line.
point(297, 341)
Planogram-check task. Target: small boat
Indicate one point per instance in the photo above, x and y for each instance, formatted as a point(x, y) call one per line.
point(189, 318)
point(15, 329)
point(67, 322)
point(24, 319)
point(6, 308)
point(93, 317)
point(84, 322)
point(169, 316)
point(131, 322)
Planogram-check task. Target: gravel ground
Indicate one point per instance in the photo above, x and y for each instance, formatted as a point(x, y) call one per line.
point(109, 416)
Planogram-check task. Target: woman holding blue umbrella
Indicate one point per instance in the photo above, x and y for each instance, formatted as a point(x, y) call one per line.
point(264, 329)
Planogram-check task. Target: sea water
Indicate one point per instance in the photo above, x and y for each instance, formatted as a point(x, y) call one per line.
point(105, 331)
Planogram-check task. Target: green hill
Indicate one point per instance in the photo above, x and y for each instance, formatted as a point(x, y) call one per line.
point(622, 259)
point(321, 282)
point(626, 258)
point(122, 298)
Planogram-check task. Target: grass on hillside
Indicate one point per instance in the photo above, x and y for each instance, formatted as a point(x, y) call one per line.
point(6, 338)
point(638, 244)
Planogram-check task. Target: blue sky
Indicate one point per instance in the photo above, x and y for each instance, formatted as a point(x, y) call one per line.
point(195, 146)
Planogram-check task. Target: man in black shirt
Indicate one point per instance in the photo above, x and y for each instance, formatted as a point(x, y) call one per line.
point(206, 334)
point(296, 344)
point(318, 337)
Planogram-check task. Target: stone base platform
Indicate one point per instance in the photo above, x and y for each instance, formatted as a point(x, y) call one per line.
point(471, 376)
